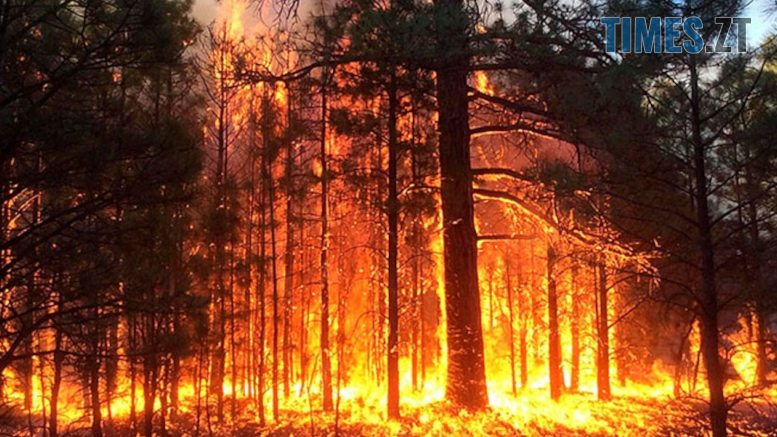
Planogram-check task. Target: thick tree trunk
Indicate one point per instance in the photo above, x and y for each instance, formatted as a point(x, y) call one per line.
point(326, 365)
point(466, 384)
point(392, 206)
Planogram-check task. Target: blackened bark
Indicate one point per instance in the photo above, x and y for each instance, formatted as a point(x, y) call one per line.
point(94, 392)
point(466, 384)
point(554, 341)
point(326, 365)
point(261, 298)
point(288, 259)
point(603, 336)
point(56, 383)
point(393, 286)
point(709, 300)
point(511, 320)
point(267, 180)
point(574, 382)
point(150, 373)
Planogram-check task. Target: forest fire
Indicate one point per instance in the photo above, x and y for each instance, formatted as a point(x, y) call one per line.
point(386, 218)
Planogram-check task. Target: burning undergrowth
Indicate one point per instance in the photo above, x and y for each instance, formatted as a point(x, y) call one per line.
point(575, 415)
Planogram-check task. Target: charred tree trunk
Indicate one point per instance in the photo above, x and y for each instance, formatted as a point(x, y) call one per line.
point(511, 320)
point(762, 365)
point(304, 317)
point(466, 382)
point(603, 336)
point(150, 373)
point(111, 366)
point(523, 332)
point(268, 180)
point(261, 298)
point(575, 325)
point(133, 344)
point(417, 325)
point(233, 328)
point(288, 259)
point(326, 365)
point(709, 298)
point(56, 383)
point(218, 355)
point(392, 206)
point(94, 392)
point(523, 351)
point(419, 331)
point(250, 297)
point(554, 341)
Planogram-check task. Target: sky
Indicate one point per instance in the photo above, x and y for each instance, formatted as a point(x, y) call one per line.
point(762, 12)
point(764, 17)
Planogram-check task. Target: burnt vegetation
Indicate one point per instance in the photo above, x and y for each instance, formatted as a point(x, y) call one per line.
point(382, 218)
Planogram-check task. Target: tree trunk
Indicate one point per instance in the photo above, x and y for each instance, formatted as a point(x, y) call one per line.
point(94, 391)
point(417, 325)
point(511, 320)
point(575, 325)
point(132, 340)
point(218, 361)
point(392, 206)
point(326, 365)
point(288, 259)
point(603, 338)
point(554, 341)
point(149, 392)
point(709, 299)
point(759, 294)
point(261, 297)
point(762, 365)
point(269, 183)
point(523, 331)
point(56, 383)
point(466, 383)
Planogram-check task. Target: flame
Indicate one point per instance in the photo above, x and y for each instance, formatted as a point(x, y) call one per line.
point(483, 84)
point(513, 283)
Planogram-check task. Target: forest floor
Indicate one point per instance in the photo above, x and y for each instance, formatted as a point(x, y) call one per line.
point(574, 416)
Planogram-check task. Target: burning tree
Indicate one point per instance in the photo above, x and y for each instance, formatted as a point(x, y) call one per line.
point(386, 209)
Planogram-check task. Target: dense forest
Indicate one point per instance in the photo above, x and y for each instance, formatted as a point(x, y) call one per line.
point(383, 217)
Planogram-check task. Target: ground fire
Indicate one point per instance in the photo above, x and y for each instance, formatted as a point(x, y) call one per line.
point(379, 218)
